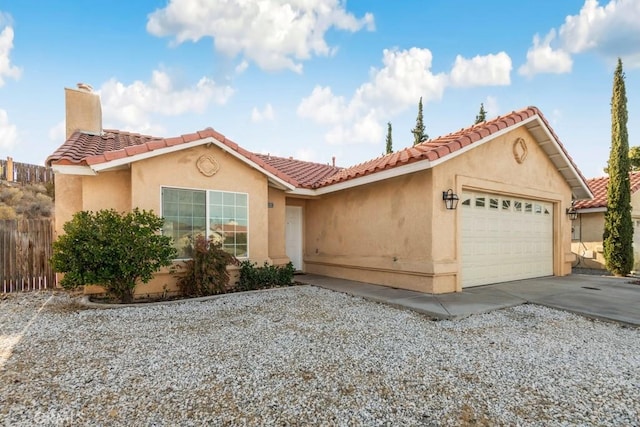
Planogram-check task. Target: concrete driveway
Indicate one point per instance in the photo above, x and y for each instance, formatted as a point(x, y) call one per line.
point(599, 297)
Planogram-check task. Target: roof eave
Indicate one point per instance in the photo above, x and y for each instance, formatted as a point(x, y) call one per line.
point(590, 210)
point(554, 151)
point(365, 179)
point(120, 163)
point(72, 170)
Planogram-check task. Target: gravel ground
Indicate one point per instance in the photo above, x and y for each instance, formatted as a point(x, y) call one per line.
point(309, 356)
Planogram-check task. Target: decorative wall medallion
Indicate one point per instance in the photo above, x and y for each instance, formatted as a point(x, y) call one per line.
point(207, 165)
point(519, 150)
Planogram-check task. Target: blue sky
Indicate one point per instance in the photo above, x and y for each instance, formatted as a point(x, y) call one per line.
point(317, 78)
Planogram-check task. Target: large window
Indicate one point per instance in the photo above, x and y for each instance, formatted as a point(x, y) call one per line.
point(220, 215)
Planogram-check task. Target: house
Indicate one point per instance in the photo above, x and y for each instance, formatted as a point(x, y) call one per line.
point(588, 227)
point(482, 205)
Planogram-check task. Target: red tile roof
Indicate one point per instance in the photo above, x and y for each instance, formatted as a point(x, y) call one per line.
point(308, 174)
point(598, 187)
point(441, 147)
point(81, 147)
point(88, 149)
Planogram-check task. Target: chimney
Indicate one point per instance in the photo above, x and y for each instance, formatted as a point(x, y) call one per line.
point(83, 110)
point(333, 161)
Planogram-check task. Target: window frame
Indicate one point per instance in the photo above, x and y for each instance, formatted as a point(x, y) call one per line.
point(207, 213)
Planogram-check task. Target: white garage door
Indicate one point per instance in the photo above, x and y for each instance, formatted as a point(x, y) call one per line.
point(505, 238)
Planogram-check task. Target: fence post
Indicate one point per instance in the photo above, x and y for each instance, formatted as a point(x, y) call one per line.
point(9, 169)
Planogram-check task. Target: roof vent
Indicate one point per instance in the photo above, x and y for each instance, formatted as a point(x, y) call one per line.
point(85, 87)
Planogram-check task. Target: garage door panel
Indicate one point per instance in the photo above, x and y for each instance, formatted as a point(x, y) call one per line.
point(505, 238)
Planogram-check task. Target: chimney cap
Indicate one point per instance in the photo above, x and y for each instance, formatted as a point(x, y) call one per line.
point(85, 87)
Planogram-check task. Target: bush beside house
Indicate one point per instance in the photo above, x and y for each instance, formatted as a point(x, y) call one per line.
point(113, 250)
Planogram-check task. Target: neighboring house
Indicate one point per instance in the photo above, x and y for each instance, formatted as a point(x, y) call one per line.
point(383, 221)
point(588, 227)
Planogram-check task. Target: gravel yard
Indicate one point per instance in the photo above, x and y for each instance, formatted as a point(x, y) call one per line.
point(309, 356)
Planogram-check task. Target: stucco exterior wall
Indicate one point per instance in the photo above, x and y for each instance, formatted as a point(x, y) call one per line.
point(378, 233)
point(140, 186)
point(588, 248)
point(83, 111)
point(179, 170)
point(68, 199)
point(493, 168)
point(398, 233)
point(277, 211)
point(107, 190)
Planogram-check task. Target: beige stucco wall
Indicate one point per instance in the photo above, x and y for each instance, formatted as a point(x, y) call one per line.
point(110, 190)
point(140, 186)
point(398, 232)
point(83, 111)
point(378, 233)
point(276, 228)
point(589, 247)
point(179, 169)
point(68, 199)
point(493, 168)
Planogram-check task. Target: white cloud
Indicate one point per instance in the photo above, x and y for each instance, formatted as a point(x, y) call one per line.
point(274, 34)
point(8, 132)
point(322, 106)
point(242, 67)
point(404, 78)
point(611, 31)
point(306, 154)
point(57, 133)
point(132, 105)
point(491, 107)
point(542, 58)
point(488, 70)
point(601, 27)
point(267, 114)
point(367, 129)
point(6, 44)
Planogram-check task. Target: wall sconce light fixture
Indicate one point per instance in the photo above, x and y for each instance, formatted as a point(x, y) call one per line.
point(450, 199)
point(572, 213)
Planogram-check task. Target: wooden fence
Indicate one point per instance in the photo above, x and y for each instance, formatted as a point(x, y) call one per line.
point(25, 249)
point(24, 173)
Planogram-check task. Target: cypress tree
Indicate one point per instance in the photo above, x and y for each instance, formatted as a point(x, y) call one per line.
point(482, 115)
point(618, 226)
point(418, 132)
point(389, 139)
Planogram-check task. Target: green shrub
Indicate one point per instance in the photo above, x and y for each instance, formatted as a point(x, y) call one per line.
point(254, 277)
point(112, 250)
point(206, 272)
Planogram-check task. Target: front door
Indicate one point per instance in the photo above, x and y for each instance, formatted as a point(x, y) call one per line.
point(293, 235)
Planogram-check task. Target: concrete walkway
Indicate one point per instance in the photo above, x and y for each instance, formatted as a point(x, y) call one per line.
point(599, 297)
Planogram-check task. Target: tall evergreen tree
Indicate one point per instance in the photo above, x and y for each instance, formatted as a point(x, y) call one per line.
point(418, 132)
point(482, 115)
point(634, 158)
point(618, 226)
point(389, 139)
